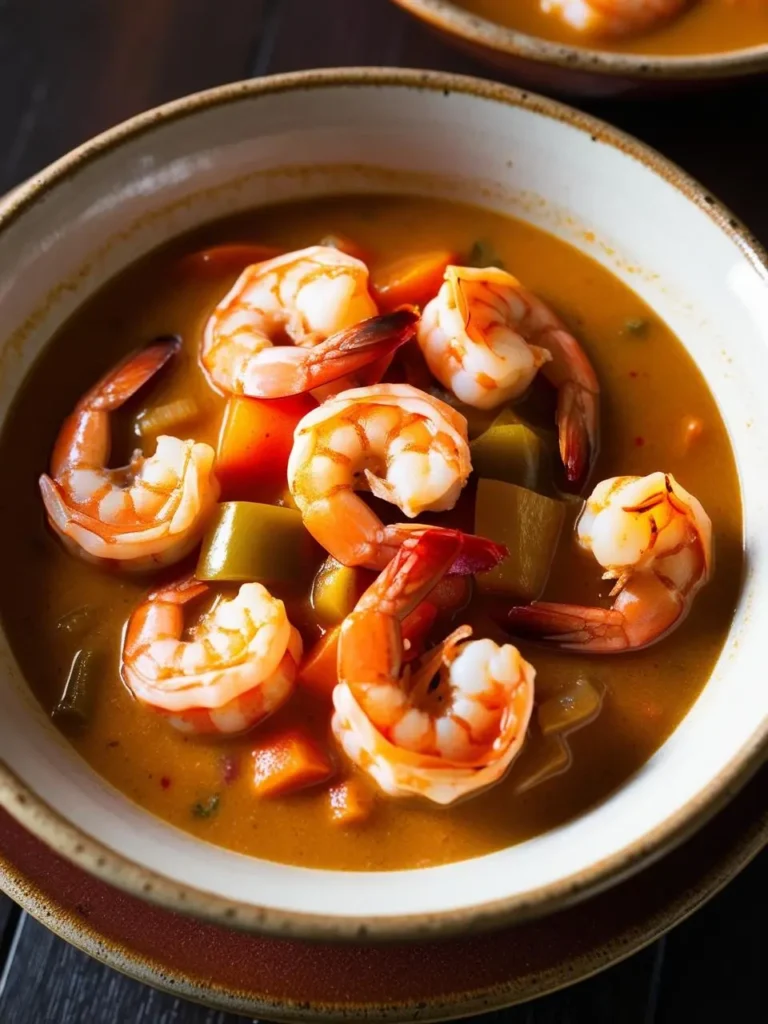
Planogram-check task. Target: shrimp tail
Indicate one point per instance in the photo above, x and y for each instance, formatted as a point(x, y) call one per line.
point(577, 428)
point(130, 375)
point(571, 626)
point(283, 371)
point(473, 554)
point(181, 591)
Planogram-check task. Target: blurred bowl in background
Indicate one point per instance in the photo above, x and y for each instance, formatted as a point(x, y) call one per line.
point(574, 70)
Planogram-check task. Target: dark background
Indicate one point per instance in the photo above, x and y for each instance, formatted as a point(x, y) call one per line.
point(70, 69)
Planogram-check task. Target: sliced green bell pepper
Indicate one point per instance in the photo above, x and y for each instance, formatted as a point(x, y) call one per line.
point(248, 541)
point(529, 525)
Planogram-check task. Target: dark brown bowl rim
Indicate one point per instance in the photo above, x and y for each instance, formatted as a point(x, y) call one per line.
point(47, 824)
point(463, 24)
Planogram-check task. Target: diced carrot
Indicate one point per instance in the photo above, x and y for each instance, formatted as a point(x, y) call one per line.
point(226, 259)
point(254, 444)
point(351, 802)
point(347, 245)
point(288, 762)
point(318, 672)
point(412, 280)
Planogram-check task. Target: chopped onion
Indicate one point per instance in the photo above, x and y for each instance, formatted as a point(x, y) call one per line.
point(165, 417)
point(575, 705)
point(543, 760)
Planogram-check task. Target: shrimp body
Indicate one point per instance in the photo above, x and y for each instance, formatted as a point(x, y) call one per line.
point(147, 514)
point(485, 337)
point(652, 537)
point(239, 667)
point(307, 297)
point(411, 737)
point(614, 17)
point(401, 444)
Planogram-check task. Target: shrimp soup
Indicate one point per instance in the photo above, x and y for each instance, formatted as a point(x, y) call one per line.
point(703, 27)
point(287, 750)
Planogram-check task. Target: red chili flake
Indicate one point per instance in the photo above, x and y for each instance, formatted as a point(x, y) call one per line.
point(639, 441)
point(114, 743)
point(633, 373)
point(230, 768)
point(165, 782)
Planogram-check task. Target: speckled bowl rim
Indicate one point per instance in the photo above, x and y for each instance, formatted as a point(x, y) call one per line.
point(460, 23)
point(628, 939)
point(46, 823)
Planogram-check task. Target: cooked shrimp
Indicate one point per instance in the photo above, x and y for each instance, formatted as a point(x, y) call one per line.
point(308, 297)
point(239, 667)
point(401, 444)
point(441, 742)
point(615, 17)
point(141, 516)
point(655, 540)
point(485, 337)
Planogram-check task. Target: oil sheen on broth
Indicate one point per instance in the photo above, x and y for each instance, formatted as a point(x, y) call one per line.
point(649, 387)
point(710, 27)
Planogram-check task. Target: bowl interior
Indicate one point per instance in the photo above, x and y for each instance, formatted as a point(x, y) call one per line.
point(381, 132)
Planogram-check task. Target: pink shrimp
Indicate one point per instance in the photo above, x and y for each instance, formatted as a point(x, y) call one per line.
point(239, 667)
point(316, 298)
point(141, 516)
point(655, 540)
point(615, 17)
point(485, 337)
point(411, 736)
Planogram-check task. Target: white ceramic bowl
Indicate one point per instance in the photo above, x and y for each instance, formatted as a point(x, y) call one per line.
point(81, 221)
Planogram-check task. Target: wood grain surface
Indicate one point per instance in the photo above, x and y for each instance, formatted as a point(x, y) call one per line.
point(68, 70)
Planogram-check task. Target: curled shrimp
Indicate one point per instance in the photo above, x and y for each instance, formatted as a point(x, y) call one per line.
point(401, 444)
point(485, 337)
point(312, 297)
point(239, 667)
point(141, 516)
point(614, 17)
point(655, 540)
point(411, 736)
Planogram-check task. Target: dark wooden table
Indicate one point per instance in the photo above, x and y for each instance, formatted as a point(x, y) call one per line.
point(69, 70)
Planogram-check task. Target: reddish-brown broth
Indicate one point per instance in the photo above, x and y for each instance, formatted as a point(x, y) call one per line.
point(649, 386)
point(711, 26)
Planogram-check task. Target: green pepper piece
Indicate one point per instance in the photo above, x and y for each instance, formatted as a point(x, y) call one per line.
point(336, 590)
point(508, 451)
point(77, 699)
point(529, 525)
point(248, 541)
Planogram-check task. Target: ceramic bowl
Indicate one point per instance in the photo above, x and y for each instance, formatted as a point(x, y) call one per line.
point(578, 71)
point(79, 222)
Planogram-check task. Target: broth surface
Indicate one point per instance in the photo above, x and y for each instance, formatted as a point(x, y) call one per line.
point(649, 385)
point(711, 26)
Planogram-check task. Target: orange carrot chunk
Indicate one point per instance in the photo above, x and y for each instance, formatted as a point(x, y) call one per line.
point(289, 762)
point(412, 280)
point(351, 802)
point(317, 672)
point(226, 259)
point(255, 441)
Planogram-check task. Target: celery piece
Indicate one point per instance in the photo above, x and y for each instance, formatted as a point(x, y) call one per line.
point(529, 525)
point(77, 699)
